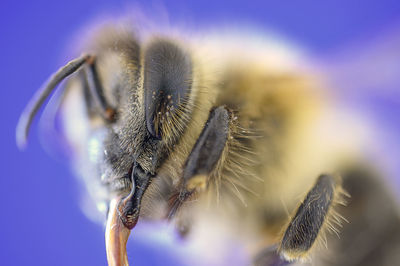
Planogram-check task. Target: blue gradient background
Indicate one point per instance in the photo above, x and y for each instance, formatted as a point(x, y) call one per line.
point(41, 222)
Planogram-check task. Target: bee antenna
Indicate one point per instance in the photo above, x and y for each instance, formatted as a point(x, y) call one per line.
point(41, 95)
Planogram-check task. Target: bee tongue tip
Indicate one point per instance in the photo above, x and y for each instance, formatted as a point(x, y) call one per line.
point(117, 235)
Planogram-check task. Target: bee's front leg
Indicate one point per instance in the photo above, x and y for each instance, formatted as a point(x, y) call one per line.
point(203, 158)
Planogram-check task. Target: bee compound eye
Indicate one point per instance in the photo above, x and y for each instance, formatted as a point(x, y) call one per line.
point(167, 86)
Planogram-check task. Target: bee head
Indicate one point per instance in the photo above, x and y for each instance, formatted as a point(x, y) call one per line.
point(139, 101)
point(151, 114)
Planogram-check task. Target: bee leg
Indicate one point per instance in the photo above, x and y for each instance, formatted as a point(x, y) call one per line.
point(96, 90)
point(203, 158)
point(313, 214)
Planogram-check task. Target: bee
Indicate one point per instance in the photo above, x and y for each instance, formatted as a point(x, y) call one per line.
point(230, 138)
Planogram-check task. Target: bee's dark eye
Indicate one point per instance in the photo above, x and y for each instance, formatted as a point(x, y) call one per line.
point(167, 86)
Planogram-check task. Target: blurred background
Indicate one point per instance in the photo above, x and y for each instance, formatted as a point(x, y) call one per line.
point(358, 42)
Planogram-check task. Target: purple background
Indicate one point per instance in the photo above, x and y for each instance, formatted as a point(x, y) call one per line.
point(41, 221)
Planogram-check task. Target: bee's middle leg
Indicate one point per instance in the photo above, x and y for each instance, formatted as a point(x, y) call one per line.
point(314, 215)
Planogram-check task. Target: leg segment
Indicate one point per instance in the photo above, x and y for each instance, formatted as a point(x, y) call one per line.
point(311, 217)
point(203, 158)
